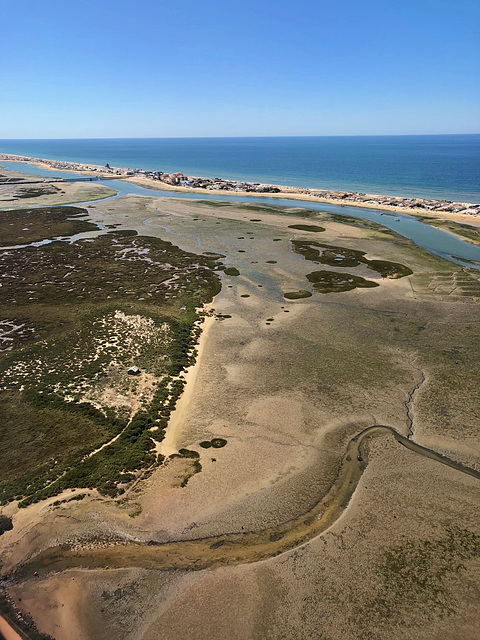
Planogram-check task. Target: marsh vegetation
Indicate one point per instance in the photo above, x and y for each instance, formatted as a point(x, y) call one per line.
point(335, 256)
point(76, 317)
point(24, 226)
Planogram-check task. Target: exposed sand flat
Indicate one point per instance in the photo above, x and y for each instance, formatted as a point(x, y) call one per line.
point(322, 589)
point(288, 384)
point(16, 195)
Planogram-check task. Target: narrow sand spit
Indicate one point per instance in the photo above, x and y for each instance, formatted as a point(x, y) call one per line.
point(285, 192)
point(177, 419)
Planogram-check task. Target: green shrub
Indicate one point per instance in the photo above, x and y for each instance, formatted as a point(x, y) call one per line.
point(5, 524)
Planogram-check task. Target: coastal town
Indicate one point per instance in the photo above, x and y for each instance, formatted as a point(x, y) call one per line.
point(179, 181)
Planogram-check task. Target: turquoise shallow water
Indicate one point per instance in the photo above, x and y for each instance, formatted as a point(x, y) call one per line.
point(437, 166)
point(434, 240)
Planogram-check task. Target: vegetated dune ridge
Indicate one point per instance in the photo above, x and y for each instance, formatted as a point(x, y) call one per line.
point(288, 391)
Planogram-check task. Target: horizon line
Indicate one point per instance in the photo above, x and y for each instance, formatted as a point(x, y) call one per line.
point(345, 135)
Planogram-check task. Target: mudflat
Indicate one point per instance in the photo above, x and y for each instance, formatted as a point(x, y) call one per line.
point(224, 538)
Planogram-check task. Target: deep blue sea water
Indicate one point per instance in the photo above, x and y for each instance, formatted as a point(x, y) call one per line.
point(434, 166)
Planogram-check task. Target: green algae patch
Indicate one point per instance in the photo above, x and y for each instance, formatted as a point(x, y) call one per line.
point(315, 228)
point(334, 282)
point(297, 295)
point(231, 271)
point(335, 256)
point(389, 269)
point(215, 443)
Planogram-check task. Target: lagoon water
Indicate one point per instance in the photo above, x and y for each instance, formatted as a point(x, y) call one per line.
point(434, 166)
point(434, 240)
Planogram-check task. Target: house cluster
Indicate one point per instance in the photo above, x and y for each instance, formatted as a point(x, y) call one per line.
point(446, 206)
point(219, 184)
point(211, 184)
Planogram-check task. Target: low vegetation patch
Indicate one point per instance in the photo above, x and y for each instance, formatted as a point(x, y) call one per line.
point(297, 295)
point(389, 269)
point(415, 577)
point(5, 524)
point(24, 226)
point(342, 257)
point(334, 282)
point(315, 228)
point(216, 443)
point(77, 316)
point(196, 465)
point(231, 271)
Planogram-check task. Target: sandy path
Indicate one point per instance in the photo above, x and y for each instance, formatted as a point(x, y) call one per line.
point(179, 415)
point(7, 632)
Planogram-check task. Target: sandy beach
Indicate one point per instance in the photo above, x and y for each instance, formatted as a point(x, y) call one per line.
point(170, 444)
point(7, 632)
point(295, 193)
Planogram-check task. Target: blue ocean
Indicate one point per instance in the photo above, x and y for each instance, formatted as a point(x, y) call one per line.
point(433, 166)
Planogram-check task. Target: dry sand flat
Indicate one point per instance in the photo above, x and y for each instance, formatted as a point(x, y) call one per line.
point(7, 632)
point(288, 396)
point(169, 445)
point(15, 195)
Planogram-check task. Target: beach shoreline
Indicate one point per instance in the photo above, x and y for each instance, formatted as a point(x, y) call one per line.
point(455, 211)
point(168, 446)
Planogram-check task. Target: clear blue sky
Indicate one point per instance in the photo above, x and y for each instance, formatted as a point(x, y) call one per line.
point(113, 68)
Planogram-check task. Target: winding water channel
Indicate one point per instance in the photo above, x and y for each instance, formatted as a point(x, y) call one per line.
point(252, 546)
point(239, 547)
point(434, 240)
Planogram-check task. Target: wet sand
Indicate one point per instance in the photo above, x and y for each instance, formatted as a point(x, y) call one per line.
point(287, 395)
point(246, 546)
point(319, 590)
point(292, 193)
